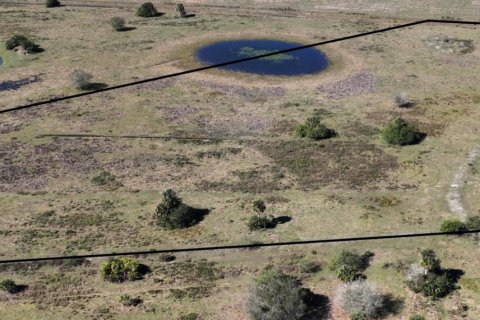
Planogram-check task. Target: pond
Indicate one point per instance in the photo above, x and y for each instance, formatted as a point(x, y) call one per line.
point(300, 62)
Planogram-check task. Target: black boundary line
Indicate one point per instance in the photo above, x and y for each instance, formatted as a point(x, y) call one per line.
point(141, 136)
point(176, 74)
point(239, 246)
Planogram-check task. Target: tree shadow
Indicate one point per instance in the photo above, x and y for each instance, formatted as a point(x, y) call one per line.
point(126, 29)
point(318, 305)
point(94, 86)
point(143, 269)
point(199, 214)
point(454, 275)
point(190, 15)
point(280, 220)
point(393, 305)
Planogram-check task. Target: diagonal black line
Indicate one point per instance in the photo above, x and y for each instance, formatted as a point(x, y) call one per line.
point(176, 74)
point(240, 246)
point(141, 136)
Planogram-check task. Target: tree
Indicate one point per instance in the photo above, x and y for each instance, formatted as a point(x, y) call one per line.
point(117, 23)
point(361, 299)
point(52, 3)
point(276, 296)
point(121, 269)
point(400, 132)
point(147, 10)
point(172, 213)
point(452, 225)
point(348, 265)
point(20, 40)
point(81, 79)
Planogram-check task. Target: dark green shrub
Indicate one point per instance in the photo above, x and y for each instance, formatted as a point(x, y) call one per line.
point(430, 261)
point(52, 3)
point(147, 10)
point(117, 23)
point(258, 222)
point(349, 265)
point(172, 213)
point(400, 132)
point(452, 225)
point(473, 223)
point(19, 40)
point(437, 285)
point(8, 285)
point(259, 206)
point(128, 301)
point(314, 129)
point(276, 296)
point(417, 317)
point(121, 269)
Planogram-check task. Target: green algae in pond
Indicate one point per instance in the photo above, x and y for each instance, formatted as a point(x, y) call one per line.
point(252, 52)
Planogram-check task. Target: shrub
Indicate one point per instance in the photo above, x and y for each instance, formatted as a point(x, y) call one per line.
point(10, 286)
point(147, 10)
point(81, 79)
point(121, 269)
point(172, 213)
point(416, 277)
point(19, 40)
point(430, 261)
point(361, 299)
point(452, 225)
point(128, 301)
point(310, 266)
point(314, 129)
point(437, 285)
point(52, 3)
point(348, 265)
point(117, 23)
point(417, 317)
point(473, 223)
point(276, 296)
point(259, 206)
point(400, 132)
point(402, 101)
point(257, 222)
point(103, 178)
point(190, 316)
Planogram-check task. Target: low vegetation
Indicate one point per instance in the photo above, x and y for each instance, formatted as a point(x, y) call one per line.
point(401, 133)
point(22, 41)
point(121, 269)
point(453, 225)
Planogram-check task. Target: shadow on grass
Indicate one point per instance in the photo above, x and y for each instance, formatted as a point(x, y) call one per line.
point(94, 86)
point(126, 29)
point(280, 220)
point(393, 305)
point(318, 305)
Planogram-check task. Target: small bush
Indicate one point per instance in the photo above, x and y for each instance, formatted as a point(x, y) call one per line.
point(400, 132)
point(452, 225)
point(172, 213)
point(416, 277)
point(417, 317)
point(190, 316)
point(362, 300)
point(310, 266)
point(8, 285)
point(52, 3)
point(314, 129)
point(259, 206)
point(147, 10)
point(81, 79)
point(121, 269)
point(430, 261)
point(437, 285)
point(473, 223)
point(258, 222)
point(117, 23)
point(19, 40)
point(128, 301)
point(348, 265)
point(402, 101)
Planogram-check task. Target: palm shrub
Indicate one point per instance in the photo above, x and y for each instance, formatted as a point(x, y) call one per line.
point(400, 132)
point(276, 296)
point(117, 23)
point(20, 40)
point(52, 3)
point(147, 10)
point(361, 300)
point(172, 213)
point(121, 269)
point(349, 265)
point(452, 225)
point(314, 129)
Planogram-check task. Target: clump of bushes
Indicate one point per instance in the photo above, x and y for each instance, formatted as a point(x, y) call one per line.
point(361, 299)
point(20, 40)
point(400, 132)
point(121, 269)
point(8, 285)
point(52, 3)
point(260, 220)
point(349, 265)
point(314, 129)
point(276, 295)
point(453, 225)
point(172, 213)
point(147, 10)
point(117, 23)
point(429, 278)
point(81, 79)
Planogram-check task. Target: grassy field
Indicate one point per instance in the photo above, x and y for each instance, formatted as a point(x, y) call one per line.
point(233, 142)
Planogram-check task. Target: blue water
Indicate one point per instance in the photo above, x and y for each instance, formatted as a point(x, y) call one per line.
point(300, 62)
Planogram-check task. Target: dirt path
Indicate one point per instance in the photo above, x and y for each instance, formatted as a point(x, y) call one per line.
point(454, 194)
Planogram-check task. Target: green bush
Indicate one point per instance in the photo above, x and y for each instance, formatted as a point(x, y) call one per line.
point(52, 3)
point(8, 285)
point(259, 206)
point(172, 213)
point(19, 40)
point(117, 23)
point(147, 10)
point(417, 317)
point(437, 285)
point(314, 129)
point(348, 265)
point(400, 132)
point(473, 223)
point(258, 222)
point(430, 261)
point(452, 225)
point(121, 269)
